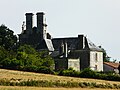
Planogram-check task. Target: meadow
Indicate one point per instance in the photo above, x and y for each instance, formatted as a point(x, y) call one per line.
point(43, 88)
point(21, 76)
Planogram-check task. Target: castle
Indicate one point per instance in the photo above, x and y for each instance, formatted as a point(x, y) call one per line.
point(76, 52)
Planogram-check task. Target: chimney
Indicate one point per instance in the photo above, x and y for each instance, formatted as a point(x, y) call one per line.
point(29, 22)
point(65, 49)
point(81, 42)
point(61, 49)
point(40, 24)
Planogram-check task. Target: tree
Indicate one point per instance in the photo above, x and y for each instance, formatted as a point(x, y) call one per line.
point(27, 49)
point(7, 38)
point(3, 53)
point(106, 58)
point(31, 60)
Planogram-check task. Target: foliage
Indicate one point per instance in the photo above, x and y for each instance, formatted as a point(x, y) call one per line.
point(106, 58)
point(88, 73)
point(3, 53)
point(7, 38)
point(27, 59)
point(46, 70)
point(69, 72)
point(27, 49)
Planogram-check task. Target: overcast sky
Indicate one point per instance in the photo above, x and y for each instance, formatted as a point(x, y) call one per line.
point(99, 20)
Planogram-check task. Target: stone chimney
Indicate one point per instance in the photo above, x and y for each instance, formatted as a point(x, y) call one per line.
point(81, 42)
point(29, 23)
point(65, 49)
point(40, 24)
point(61, 49)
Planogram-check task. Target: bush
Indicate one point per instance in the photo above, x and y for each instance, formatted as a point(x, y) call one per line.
point(46, 70)
point(88, 73)
point(69, 72)
point(30, 68)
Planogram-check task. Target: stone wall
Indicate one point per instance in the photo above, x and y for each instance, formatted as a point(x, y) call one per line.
point(74, 63)
point(96, 60)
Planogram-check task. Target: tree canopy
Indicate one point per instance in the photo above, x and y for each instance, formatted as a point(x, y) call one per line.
point(7, 38)
point(106, 58)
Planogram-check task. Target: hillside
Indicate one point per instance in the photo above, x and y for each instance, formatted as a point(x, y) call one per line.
point(19, 76)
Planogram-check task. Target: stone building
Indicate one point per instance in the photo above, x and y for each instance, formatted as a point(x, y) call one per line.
point(36, 36)
point(76, 52)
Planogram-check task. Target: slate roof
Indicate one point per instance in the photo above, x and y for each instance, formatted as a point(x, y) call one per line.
point(49, 44)
point(72, 43)
point(55, 54)
point(46, 44)
point(111, 64)
point(92, 46)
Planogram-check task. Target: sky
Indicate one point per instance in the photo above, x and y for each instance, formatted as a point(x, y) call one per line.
point(99, 20)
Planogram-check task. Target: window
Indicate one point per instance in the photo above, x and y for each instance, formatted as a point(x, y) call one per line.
point(96, 57)
point(95, 67)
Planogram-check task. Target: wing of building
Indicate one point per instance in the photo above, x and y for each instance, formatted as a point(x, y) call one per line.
point(77, 49)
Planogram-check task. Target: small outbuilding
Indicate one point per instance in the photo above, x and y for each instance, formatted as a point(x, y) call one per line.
point(110, 66)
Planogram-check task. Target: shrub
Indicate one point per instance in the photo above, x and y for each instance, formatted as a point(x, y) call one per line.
point(46, 70)
point(69, 72)
point(46, 83)
point(88, 73)
point(30, 68)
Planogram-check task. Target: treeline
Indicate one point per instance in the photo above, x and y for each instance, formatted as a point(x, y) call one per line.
point(26, 58)
point(88, 73)
point(15, 56)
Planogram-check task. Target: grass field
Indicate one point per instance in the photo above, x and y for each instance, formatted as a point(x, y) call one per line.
point(42, 88)
point(18, 76)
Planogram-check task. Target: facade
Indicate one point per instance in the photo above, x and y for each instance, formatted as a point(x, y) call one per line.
point(89, 55)
point(76, 52)
point(110, 66)
point(65, 63)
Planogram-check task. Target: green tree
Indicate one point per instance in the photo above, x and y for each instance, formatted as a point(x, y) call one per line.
point(3, 53)
point(33, 60)
point(106, 58)
point(27, 49)
point(7, 38)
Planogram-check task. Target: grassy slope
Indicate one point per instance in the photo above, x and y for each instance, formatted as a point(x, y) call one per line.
point(22, 76)
point(44, 88)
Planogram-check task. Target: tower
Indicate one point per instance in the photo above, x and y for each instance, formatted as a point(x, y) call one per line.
point(29, 23)
point(40, 25)
point(81, 42)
